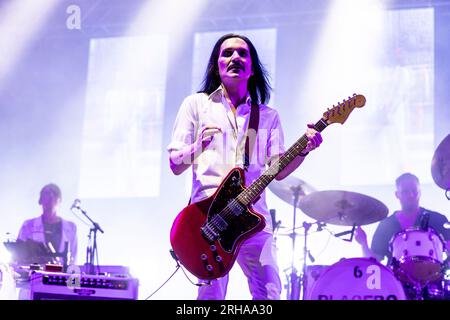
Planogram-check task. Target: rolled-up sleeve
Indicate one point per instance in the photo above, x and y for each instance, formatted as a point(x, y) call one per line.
point(185, 126)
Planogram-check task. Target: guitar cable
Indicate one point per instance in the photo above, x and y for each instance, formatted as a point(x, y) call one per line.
point(200, 284)
point(178, 266)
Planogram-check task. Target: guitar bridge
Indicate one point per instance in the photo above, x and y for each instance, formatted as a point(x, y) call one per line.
point(209, 233)
point(212, 229)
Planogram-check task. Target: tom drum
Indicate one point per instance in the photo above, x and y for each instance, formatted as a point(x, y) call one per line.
point(417, 255)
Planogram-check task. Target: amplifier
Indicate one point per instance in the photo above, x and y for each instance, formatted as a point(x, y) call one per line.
point(63, 286)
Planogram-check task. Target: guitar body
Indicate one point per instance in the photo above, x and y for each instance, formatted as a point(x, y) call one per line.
point(210, 256)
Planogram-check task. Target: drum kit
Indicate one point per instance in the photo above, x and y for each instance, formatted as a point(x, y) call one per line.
point(419, 269)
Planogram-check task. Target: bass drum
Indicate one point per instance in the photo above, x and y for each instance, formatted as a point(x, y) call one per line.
point(357, 279)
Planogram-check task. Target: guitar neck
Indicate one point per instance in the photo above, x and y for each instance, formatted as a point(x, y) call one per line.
point(252, 192)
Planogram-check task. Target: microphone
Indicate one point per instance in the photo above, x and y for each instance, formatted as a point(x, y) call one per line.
point(311, 257)
point(351, 232)
point(320, 225)
point(343, 233)
point(275, 223)
point(76, 204)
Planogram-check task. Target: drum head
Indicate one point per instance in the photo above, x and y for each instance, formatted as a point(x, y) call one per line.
point(357, 279)
point(419, 269)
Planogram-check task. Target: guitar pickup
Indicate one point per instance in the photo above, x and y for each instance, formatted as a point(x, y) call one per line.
point(236, 208)
point(219, 223)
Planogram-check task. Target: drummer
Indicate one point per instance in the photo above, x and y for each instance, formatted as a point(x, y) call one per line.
point(411, 215)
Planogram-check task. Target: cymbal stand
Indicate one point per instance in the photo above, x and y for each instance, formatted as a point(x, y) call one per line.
point(303, 279)
point(293, 292)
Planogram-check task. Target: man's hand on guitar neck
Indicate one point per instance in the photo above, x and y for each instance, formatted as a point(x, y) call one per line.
point(314, 138)
point(314, 141)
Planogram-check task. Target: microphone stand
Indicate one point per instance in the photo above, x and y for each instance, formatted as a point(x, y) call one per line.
point(91, 249)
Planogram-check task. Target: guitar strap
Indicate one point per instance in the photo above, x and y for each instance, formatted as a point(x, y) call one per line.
point(252, 132)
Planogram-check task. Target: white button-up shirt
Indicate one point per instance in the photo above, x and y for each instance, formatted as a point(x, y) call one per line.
point(226, 150)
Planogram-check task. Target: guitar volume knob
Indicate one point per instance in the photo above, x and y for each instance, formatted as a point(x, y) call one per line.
point(203, 257)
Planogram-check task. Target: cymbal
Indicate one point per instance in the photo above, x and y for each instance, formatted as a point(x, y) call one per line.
point(286, 188)
point(440, 164)
point(343, 208)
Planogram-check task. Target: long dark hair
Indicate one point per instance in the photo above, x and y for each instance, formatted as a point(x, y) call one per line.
point(258, 84)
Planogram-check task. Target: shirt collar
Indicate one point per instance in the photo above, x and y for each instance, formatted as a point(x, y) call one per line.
point(218, 94)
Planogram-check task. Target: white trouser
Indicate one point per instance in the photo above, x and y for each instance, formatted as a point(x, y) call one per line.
point(257, 258)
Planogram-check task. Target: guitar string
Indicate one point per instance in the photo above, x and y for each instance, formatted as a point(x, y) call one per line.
point(235, 204)
point(292, 152)
point(260, 184)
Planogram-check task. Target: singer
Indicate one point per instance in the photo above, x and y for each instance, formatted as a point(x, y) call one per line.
point(227, 125)
point(215, 131)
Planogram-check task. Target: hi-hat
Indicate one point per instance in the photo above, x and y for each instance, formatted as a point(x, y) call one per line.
point(440, 164)
point(290, 187)
point(343, 208)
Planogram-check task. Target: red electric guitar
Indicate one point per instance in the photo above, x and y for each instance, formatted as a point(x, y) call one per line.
point(206, 236)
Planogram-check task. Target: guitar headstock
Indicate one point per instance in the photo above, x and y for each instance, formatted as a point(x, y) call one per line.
point(340, 113)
